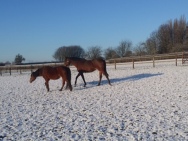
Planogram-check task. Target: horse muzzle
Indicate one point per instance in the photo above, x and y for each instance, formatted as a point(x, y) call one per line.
point(31, 80)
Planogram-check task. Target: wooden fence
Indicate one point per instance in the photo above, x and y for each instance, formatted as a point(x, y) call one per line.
point(21, 68)
point(153, 59)
point(134, 60)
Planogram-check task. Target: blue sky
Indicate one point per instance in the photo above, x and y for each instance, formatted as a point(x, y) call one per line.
point(36, 28)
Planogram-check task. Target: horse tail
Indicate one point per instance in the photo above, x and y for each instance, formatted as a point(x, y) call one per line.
point(69, 78)
point(105, 71)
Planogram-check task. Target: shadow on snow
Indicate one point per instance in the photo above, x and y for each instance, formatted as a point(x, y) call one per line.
point(130, 78)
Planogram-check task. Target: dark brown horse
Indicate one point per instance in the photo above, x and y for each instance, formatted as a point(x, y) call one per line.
point(84, 66)
point(53, 73)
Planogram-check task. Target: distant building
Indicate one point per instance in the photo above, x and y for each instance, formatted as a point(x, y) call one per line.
point(7, 63)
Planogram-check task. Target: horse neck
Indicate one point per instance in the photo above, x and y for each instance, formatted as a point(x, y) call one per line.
point(38, 72)
point(74, 63)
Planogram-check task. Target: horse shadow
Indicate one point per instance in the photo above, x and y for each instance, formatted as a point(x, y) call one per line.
point(129, 78)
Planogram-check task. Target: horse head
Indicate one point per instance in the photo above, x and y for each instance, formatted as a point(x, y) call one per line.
point(34, 76)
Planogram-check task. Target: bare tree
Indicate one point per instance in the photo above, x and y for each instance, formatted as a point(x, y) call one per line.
point(124, 49)
point(168, 38)
point(94, 52)
point(140, 49)
point(179, 29)
point(59, 54)
point(185, 44)
point(152, 43)
point(68, 51)
point(110, 53)
point(164, 38)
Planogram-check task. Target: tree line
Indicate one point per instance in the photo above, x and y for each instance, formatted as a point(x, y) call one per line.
point(169, 37)
point(18, 60)
point(123, 50)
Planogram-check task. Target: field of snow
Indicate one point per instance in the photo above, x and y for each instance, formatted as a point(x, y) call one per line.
point(144, 103)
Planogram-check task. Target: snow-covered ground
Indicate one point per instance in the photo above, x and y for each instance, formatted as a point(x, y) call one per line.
point(144, 103)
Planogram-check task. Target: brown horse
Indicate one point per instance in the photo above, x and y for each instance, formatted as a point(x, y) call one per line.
point(53, 73)
point(84, 66)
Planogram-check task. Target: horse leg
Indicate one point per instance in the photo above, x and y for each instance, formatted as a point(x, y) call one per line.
point(76, 78)
point(63, 83)
point(47, 85)
point(83, 78)
point(106, 74)
point(69, 84)
point(100, 77)
point(66, 86)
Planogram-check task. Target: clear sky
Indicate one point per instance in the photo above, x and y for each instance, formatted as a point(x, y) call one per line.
point(36, 28)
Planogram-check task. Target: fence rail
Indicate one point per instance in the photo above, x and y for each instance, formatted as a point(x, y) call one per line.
point(176, 57)
point(20, 68)
point(183, 56)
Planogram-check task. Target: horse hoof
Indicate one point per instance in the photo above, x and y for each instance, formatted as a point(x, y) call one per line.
point(60, 90)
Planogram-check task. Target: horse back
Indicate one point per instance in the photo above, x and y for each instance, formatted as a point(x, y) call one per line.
point(50, 73)
point(64, 72)
point(99, 64)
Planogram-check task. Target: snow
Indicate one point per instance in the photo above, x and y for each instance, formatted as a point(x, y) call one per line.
point(144, 103)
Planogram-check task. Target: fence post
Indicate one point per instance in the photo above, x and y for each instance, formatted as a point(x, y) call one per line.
point(176, 60)
point(20, 71)
point(115, 63)
point(31, 69)
point(133, 63)
point(153, 61)
point(10, 70)
point(182, 57)
point(1, 72)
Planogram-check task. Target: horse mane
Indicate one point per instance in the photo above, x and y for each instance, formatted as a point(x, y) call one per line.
point(83, 59)
point(37, 72)
point(76, 58)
